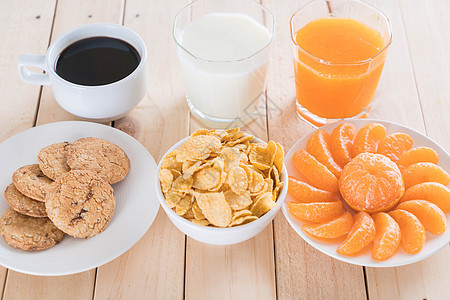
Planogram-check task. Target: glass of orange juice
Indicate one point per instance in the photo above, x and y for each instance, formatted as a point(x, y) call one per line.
point(339, 51)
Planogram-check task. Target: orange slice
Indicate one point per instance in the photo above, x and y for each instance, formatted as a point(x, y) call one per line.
point(319, 146)
point(368, 138)
point(416, 155)
point(332, 229)
point(361, 234)
point(304, 192)
point(371, 183)
point(424, 172)
point(433, 192)
point(387, 237)
point(395, 145)
point(315, 212)
point(314, 171)
point(431, 216)
point(413, 232)
point(341, 143)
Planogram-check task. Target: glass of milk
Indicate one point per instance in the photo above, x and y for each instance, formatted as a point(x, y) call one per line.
point(223, 48)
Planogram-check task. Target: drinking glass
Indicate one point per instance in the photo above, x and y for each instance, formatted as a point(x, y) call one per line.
point(223, 92)
point(327, 91)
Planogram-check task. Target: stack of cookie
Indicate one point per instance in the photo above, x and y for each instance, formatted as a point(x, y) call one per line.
point(69, 191)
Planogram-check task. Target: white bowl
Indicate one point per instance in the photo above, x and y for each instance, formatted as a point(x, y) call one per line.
point(433, 242)
point(220, 236)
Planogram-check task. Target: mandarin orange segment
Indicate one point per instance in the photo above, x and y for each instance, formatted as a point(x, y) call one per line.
point(341, 143)
point(416, 155)
point(314, 171)
point(361, 234)
point(332, 229)
point(319, 146)
point(315, 212)
point(395, 145)
point(368, 138)
point(371, 183)
point(387, 236)
point(413, 232)
point(431, 216)
point(304, 192)
point(424, 172)
point(433, 192)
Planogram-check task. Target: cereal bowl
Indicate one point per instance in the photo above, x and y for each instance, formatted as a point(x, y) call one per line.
point(216, 235)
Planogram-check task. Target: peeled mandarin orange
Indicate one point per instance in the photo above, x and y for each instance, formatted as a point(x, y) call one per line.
point(387, 236)
point(304, 192)
point(314, 171)
point(431, 216)
point(332, 229)
point(319, 146)
point(395, 145)
point(416, 155)
point(371, 183)
point(341, 143)
point(361, 234)
point(368, 138)
point(315, 212)
point(424, 172)
point(413, 232)
point(433, 192)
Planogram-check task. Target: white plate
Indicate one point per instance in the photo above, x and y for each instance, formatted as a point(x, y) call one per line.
point(434, 242)
point(136, 203)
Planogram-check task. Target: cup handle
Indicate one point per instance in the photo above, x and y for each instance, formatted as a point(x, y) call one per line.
point(33, 60)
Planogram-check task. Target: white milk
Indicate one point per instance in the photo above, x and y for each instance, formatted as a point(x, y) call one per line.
point(225, 69)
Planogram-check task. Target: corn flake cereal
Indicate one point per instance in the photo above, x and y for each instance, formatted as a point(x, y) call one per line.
point(221, 179)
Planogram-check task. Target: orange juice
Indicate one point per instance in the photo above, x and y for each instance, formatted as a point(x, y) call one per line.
point(337, 66)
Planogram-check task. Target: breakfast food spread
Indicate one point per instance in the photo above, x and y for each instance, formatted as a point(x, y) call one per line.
point(68, 192)
point(395, 192)
point(222, 178)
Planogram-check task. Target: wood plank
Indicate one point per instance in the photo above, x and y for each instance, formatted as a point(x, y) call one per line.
point(23, 286)
point(23, 31)
point(25, 28)
point(69, 14)
point(428, 48)
point(154, 267)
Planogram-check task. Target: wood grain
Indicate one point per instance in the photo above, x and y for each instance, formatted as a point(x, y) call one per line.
point(68, 14)
point(154, 267)
point(302, 272)
point(424, 41)
point(25, 27)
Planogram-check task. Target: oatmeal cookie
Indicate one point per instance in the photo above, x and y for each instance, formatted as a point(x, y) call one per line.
point(53, 160)
point(99, 156)
point(80, 203)
point(28, 233)
point(31, 182)
point(23, 204)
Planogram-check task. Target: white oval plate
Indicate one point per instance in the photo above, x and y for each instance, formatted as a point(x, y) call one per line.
point(136, 203)
point(434, 242)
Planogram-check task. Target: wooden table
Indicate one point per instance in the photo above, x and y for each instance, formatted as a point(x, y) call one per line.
point(414, 91)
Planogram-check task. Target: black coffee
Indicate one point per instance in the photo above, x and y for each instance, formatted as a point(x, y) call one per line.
point(97, 61)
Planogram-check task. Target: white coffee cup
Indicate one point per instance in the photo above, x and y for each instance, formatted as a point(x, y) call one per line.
point(103, 102)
